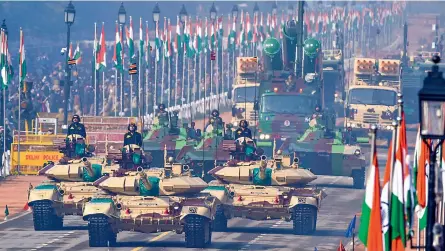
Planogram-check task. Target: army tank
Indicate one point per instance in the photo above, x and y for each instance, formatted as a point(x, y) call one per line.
point(69, 186)
point(202, 156)
point(266, 190)
point(165, 133)
point(149, 201)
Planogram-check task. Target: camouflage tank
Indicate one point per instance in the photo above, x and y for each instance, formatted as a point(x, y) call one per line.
point(326, 152)
point(266, 190)
point(166, 134)
point(69, 188)
point(149, 201)
point(203, 155)
point(129, 157)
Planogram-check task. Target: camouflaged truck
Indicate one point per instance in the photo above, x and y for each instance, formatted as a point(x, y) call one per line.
point(266, 190)
point(150, 201)
point(372, 98)
point(165, 134)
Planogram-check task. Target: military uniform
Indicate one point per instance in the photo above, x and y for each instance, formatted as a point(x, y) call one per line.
point(243, 132)
point(163, 118)
point(77, 128)
point(134, 138)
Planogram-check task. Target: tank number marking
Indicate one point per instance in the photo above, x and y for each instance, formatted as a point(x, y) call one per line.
point(193, 210)
point(301, 200)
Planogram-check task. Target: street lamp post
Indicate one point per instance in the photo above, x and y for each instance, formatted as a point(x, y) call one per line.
point(156, 13)
point(274, 8)
point(432, 128)
point(122, 17)
point(290, 11)
point(70, 15)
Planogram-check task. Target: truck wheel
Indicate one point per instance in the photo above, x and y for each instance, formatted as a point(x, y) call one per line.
point(195, 228)
point(100, 232)
point(305, 219)
point(358, 179)
point(44, 217)
point(220, 221)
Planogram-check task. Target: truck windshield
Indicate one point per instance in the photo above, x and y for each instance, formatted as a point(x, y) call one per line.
point(245, 94)
point(372, 97)
point(288, 104)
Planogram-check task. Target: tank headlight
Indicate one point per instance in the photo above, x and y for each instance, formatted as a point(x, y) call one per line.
point(353, 125)
point(262, 136)
point(357, 152)
point(348, 124)
point(388, 127)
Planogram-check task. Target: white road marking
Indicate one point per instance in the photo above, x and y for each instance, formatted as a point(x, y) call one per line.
point(16, 217)
point(71, 232)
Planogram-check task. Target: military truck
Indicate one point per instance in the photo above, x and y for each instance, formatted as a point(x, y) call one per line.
point(266, 190)
point(151, 201)
point(372, 97)
point(246, 91)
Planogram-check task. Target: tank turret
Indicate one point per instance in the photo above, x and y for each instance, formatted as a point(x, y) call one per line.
point(278, 172)
point(175, 179)
point(78, 170)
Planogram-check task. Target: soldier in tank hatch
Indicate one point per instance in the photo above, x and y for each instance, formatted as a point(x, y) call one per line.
point(243, 130)
point(76, 127)
point(132, 137)
point(162, 115)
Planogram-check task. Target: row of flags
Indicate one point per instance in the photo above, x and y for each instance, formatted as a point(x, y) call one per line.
point(6, 68)
point(388, 209)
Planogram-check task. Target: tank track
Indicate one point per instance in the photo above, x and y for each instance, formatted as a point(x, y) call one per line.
point(304, 219)
point(358, 179)
point(44, 217)
point(220, 221)
point(198, 232)
point(100, 233)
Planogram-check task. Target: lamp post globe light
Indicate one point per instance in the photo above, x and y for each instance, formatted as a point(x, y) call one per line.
point(431, 109)
point(183, 14)
point(122, 14)
point(235, 11)
point(256, 9)
point(156, 13)
point(70, 16)
point(4, 27)
point(213, 12)
point(290, 10)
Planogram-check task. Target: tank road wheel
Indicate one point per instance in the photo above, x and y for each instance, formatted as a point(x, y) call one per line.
point(195, 228)
point(305, 219)
point(44, 217)
point(100, 232)
point(220, 221)
point(358, 179)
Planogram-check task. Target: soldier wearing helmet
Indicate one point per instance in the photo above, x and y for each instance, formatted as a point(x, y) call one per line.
point(243, 130)
point(215, 120)
point(162, 115)
point(76, 127)
point(132, 137)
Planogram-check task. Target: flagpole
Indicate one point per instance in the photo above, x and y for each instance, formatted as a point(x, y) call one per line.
point(20, 105)
point(183, 79)
point(115, 92)
point(95, 68)
point(195, 85)
point(131, 92)
point(122, 73)
point(169, 82)
point(103, 93)
point(176, 76)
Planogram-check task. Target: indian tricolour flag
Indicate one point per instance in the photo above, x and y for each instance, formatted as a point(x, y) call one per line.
point(130, 41)
point(22, 58)
point(384, 201)
point(422, 182)
point(117, 57)
point(370, 232)
point(101, 61)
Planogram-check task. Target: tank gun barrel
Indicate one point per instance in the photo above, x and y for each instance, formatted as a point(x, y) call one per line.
point(88, 167)
point(143, 178)
point(295, 162)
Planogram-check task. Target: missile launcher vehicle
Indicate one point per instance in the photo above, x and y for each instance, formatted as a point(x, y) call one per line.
point(150, 201)
point(266, 190)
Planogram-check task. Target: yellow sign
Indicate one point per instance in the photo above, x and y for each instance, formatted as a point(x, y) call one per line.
point(35, 158)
